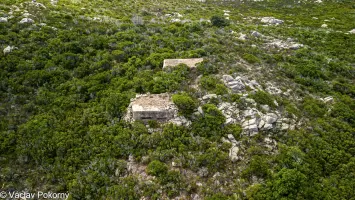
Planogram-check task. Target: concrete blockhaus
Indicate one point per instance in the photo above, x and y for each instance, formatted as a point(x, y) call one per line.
point(191, 62)
point(153, 107)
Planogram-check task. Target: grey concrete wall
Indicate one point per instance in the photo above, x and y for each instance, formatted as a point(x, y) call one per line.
point(163, 115)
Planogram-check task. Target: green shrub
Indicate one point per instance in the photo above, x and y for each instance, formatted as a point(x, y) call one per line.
point(185, 103)
point(213, 84)
point(153, 124)
point(233, 129)
point(221, 89)
point(313, 107)
point(263, 98)
point(206, 68)
point(258, 166)
point(251, 58)
point(219, 21)
point(157, 168)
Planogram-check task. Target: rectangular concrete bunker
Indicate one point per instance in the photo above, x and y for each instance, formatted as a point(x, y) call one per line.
point(153, 107)
point(190, 62)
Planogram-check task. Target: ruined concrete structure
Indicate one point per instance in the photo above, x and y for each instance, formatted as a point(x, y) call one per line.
point(151, 107)
point(191, 62)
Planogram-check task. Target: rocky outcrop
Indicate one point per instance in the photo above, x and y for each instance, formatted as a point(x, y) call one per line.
point(271, 20)
point(252, 120)
point(280, 44)
point(238, 84)
point(180, 121)
point(234, 151)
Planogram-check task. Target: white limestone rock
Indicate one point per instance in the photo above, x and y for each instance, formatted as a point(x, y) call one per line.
point(3, 19)
point(233, 153)
point(284, 126)
point(279, 44)
point(209, 96)
point(199, 109)
point(27, 21)
point(224, 105)
point(230, 120)
point(261, 124)
point(268, 126)
point(352, 31)
point(271, 20)
point(9, 49)
point(232, 139)
point(236, 86)
point(248, 123)
point(243, 37)
point(270, 118)
point(256, 34)
point(266, 108)
point(175, 20)
point(54, 2)
point(328, 99)
point(228, 78)
point(251, 101)
point(295, 46)
point(324, 26)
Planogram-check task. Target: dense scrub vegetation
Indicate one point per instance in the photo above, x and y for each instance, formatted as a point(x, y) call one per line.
point(65, 89)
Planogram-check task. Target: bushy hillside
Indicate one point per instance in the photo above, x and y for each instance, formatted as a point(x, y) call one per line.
point(268, 114)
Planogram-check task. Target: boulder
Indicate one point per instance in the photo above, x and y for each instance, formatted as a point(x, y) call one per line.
point(268, 126)
point(295, 46)
point(266, 108)
point(324, 26)
point(251, 101)
point(232, 139)
point(175, 20)
point(228, 78)
point(224, 105)
point(256, 34)
point(3, 19)
point(261, 124)
point(26, 21)
point(230, 120)
point(175, 164)
point(352, 31)
point(199, 109)
point(8, 49)
point(236, 85)
point(328, 100)
point(284, 126)
point(54, 2)
point(209, 96)
point(247, 123)
point(233, 153)
point(271, 20)
point(270, 118)
point(242, 37)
